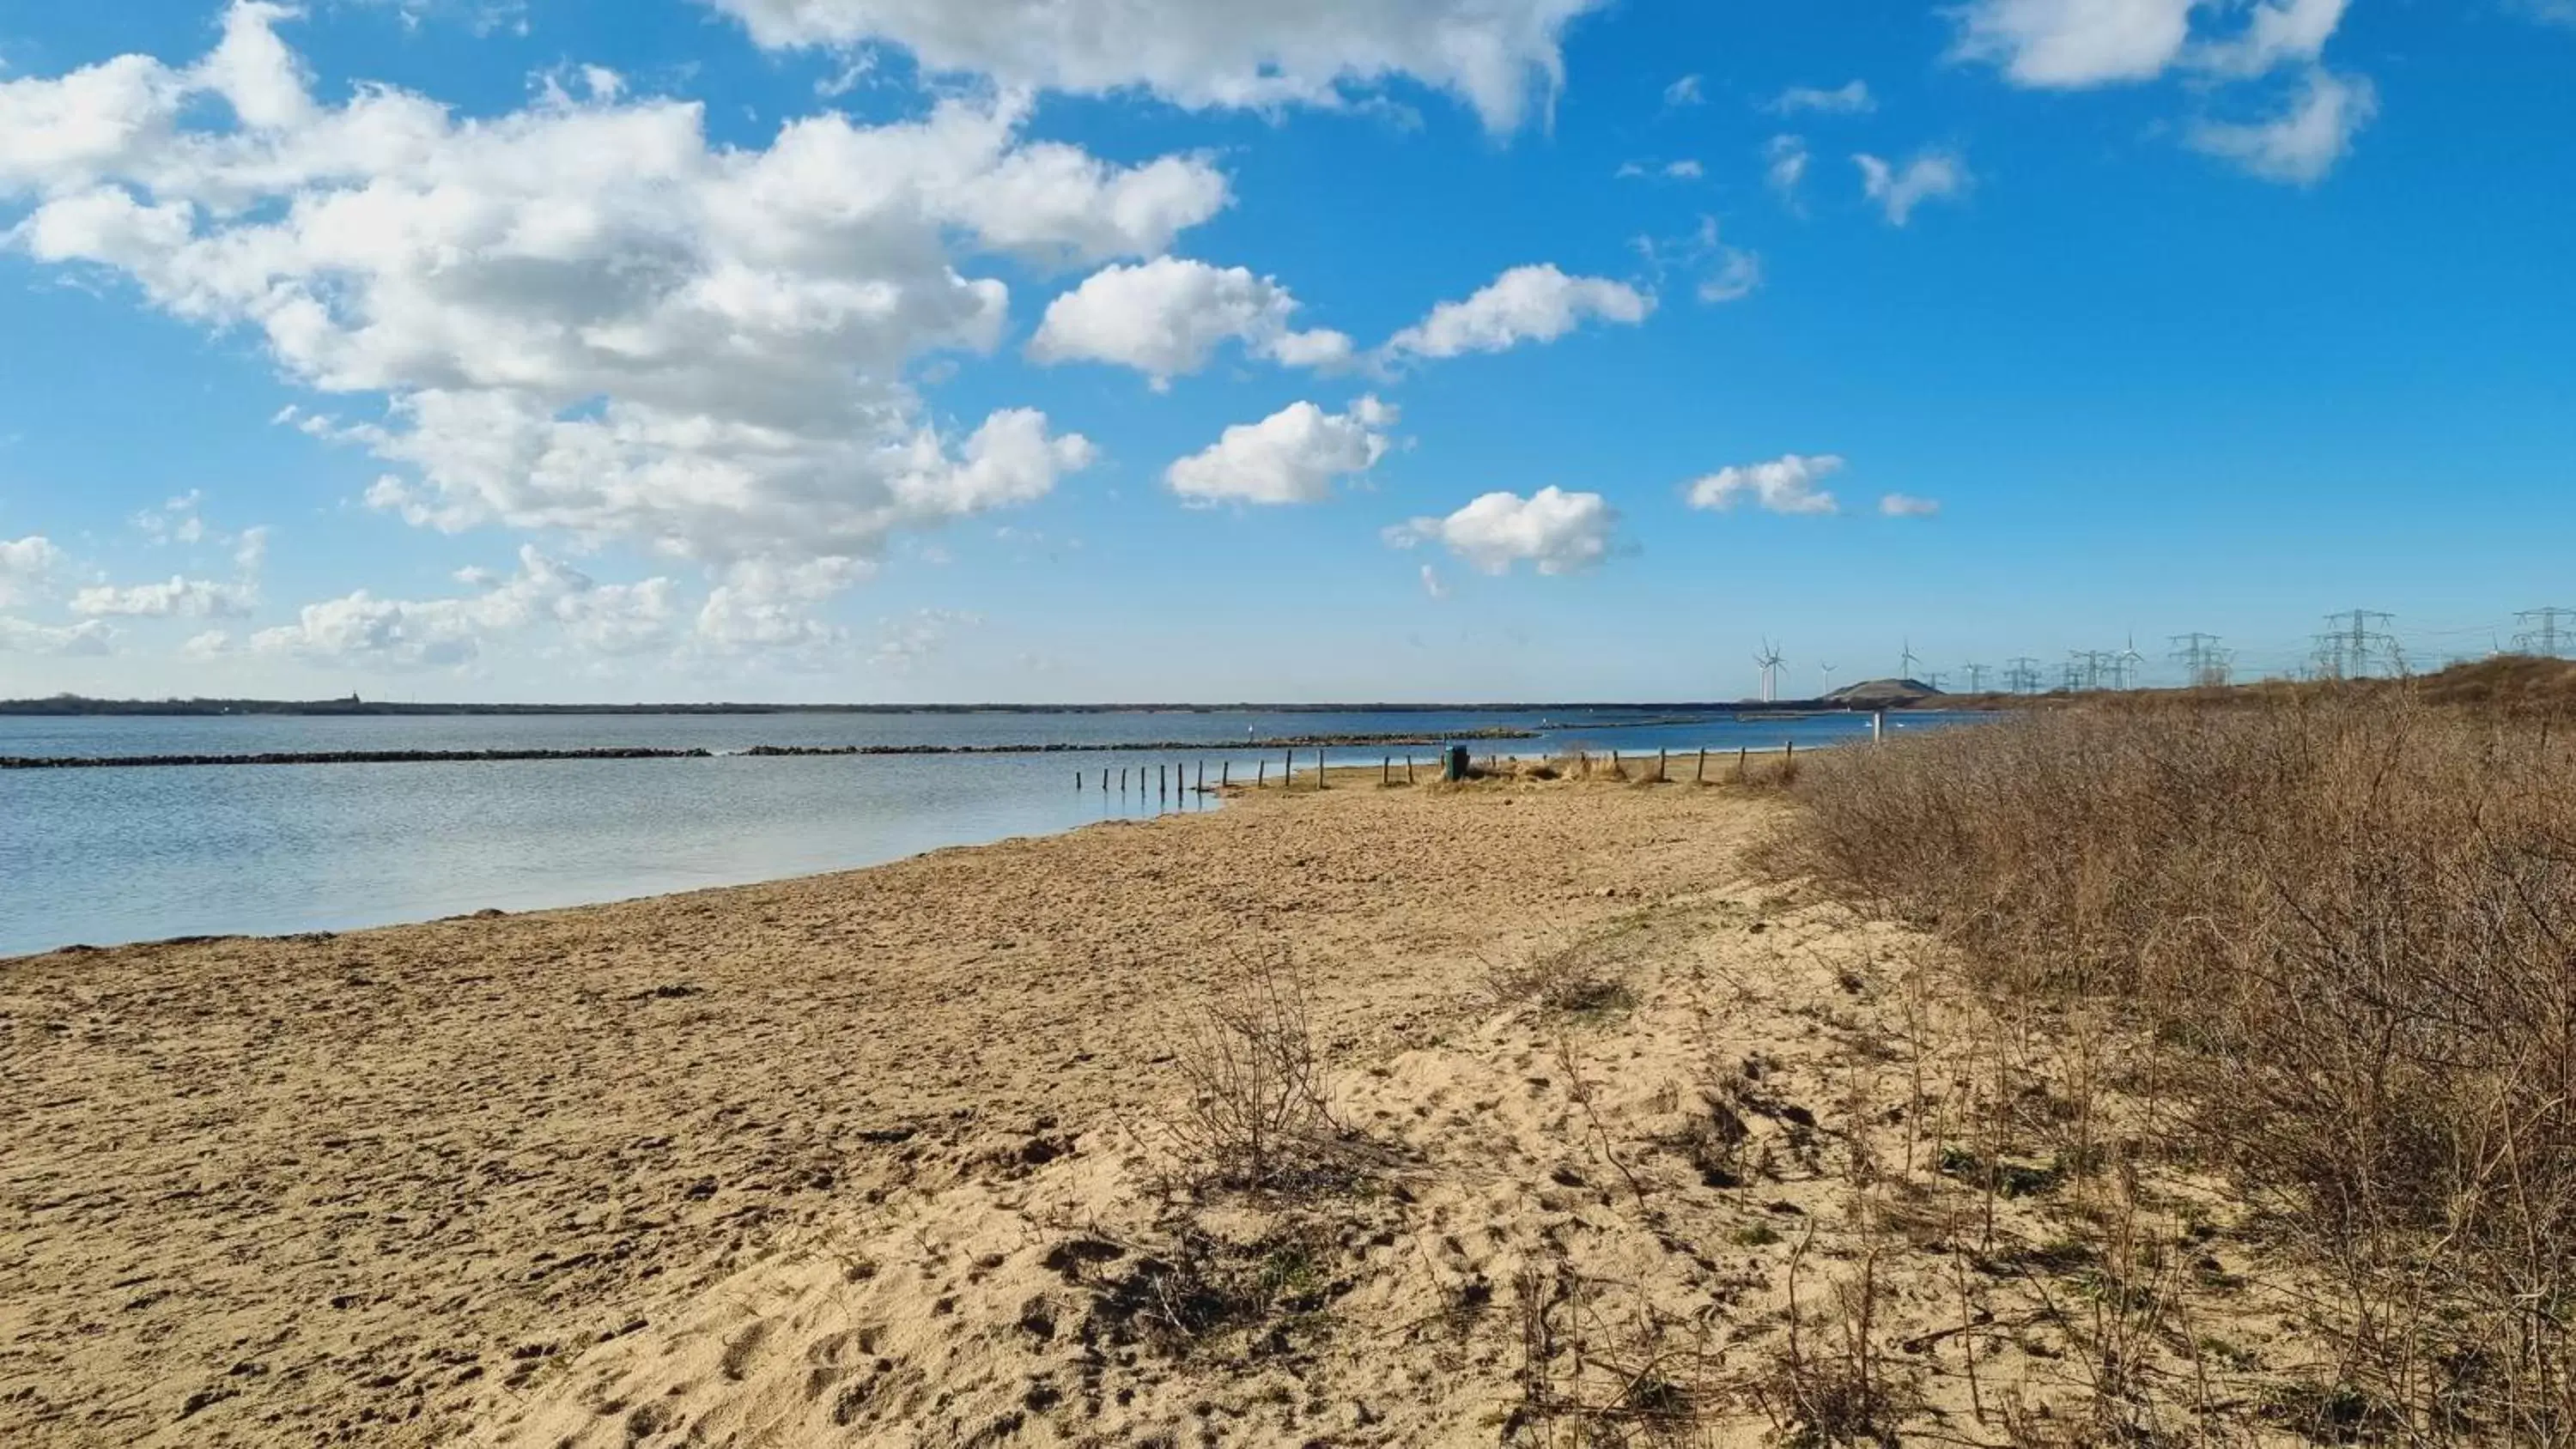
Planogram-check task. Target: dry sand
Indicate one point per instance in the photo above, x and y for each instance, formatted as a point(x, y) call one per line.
point(875, 1158)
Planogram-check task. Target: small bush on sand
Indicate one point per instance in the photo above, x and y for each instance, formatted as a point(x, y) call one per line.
point(1257, 1116)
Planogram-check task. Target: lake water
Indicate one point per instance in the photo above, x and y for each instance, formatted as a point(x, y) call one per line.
point(104, 856)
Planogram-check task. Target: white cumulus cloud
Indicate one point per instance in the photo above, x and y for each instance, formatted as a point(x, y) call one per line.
point(362, 631)
point(1931, 176)
point(1786, 484)
point(1295, 455)
point(179, 598)
point(25, 565)
point(1554, 531)
point(2303, 142)
point(1499, 55)
point(2280, 32)
point(1906, 505)
point(90, 637)
point(1525, 304)
point(700, 351)
point(1166, 317)
point(2067, 44)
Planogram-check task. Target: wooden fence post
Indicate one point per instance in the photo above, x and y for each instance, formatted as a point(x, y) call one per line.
point(1659, 766)
point(1700, 775)
point(1261, 776)
point(1408, 768)
point(1742, 754)
point(1385, 771)
point(1224, 773)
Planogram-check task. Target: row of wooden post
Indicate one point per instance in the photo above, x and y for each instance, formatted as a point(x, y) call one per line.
point(1386, 770)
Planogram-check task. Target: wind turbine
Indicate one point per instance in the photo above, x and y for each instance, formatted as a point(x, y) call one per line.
point(1770, 661)
point(2130, 657)
point(1905, 664)
point(1828, 671)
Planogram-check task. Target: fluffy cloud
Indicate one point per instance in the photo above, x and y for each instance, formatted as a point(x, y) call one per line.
point(2065, 44)
point(1784, 485)
point(1293, 456)
point(180, 598)
point(363, 631)
point(1906, 505)
point(2281, 32)
point(2075, 43)
point(1931, 176)
point(1683, 92)
point(25, 565)
point(1555, 531)
point(1849, 99)
point(89, 637)
point(699, 351)
point(1497, 54)
point(1166, 317)
point(2301, 144)
point(1525, 304)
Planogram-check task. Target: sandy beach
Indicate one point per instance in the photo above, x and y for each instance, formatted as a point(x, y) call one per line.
point(873, 1158)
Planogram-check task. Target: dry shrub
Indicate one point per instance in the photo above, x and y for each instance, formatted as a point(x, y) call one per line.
point(1257, 1116)
point(2350, 919)
point(1601, 1367)
point(1581, 977)
point(1831, 1381)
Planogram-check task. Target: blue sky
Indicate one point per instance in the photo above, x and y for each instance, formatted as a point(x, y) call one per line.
point(1196, 349)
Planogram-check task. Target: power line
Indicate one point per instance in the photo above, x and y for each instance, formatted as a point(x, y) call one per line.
point(2353, 642)
point(1976, 677)
point(2546, 636)
point(2021, 675)
point(2204, 663)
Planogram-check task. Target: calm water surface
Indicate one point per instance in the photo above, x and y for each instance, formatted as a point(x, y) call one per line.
point(112, 855)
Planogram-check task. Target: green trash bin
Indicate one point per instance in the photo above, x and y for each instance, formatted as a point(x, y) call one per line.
point(1455, 766)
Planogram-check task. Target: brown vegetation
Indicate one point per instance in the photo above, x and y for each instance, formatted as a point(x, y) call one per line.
point(2512, 685)
point(2336, 929)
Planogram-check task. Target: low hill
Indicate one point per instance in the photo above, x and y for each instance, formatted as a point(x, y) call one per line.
point(1884, 694)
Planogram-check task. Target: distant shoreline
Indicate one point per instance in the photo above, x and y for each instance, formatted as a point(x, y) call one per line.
point(69, 707)
point(762, 752)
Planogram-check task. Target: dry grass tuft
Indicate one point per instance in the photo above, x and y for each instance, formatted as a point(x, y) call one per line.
point(2349, 923)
